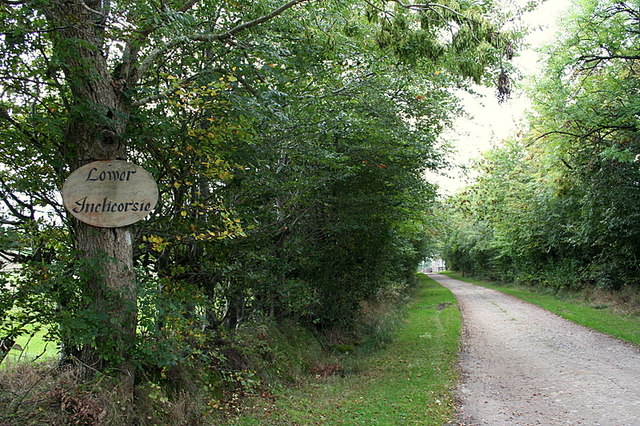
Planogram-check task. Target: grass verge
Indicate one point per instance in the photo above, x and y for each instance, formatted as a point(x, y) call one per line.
point(573, 307)
point(411, 380)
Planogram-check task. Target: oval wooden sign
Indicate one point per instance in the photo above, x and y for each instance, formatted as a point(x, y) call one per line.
point(110, 194)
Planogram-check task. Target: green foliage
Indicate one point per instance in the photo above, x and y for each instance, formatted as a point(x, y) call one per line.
point(289, 141)
point(559, 208)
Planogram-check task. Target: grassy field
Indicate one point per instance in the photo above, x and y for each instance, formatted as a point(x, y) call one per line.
point(29, 348)
point(574, 308)
point(410, 381)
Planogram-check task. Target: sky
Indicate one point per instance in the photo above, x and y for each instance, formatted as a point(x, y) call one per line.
point(487, 122)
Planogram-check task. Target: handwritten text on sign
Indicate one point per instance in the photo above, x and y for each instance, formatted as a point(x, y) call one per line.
point(110, 194)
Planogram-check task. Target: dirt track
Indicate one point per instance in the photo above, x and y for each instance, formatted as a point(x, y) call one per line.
point(522, 365)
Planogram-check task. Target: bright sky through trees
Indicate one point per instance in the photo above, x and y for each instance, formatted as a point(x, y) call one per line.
point(487, 122)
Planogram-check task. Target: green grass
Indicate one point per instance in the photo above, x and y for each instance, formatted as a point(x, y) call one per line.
point(573, 308)
point(410, 381)
point(29, 348)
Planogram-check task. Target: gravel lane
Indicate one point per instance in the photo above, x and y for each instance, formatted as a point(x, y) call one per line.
point(522, 365)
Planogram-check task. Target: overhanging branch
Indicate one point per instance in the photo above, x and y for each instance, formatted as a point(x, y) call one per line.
point(161, 50)
point(428, 6)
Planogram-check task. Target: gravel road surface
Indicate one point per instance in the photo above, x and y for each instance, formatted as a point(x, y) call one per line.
point(522, 365)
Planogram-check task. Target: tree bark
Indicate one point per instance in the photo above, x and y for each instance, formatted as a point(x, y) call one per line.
point(94, 132)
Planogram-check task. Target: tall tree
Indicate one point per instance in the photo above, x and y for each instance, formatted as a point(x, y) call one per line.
point(98, 55)
point(83, 81)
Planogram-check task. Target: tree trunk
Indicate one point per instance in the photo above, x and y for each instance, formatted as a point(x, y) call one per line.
point(110, 280)
point(97, 122)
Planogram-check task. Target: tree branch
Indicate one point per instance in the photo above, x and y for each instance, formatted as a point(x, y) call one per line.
point(86, 6)
point(568, 166)
point(260, 20)
point(127, 71)
point(15, 211)
point(4, 114)
point(595, 58)
point(427, 6)
point(167, 93)
point(48, 30)
point(160, 50)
